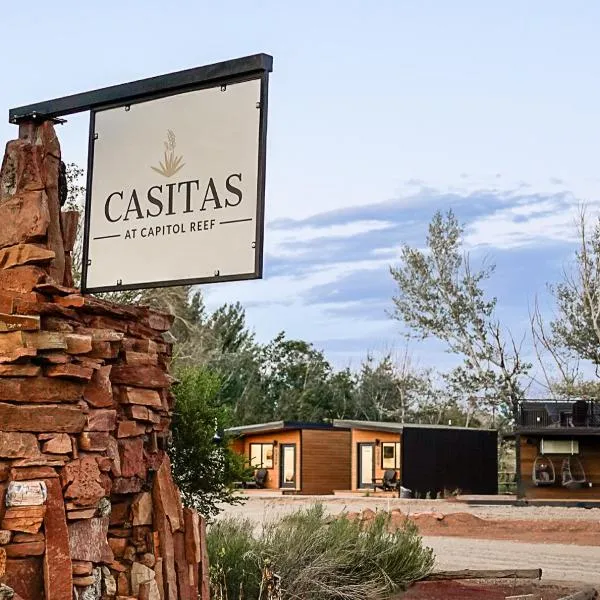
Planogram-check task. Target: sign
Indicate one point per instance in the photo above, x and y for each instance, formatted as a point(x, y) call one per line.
point(176, 175)
point(176, 190)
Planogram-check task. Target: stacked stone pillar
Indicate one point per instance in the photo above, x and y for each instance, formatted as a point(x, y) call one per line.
point(88, 507)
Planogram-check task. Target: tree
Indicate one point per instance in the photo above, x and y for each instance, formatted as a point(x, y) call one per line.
point(203, 469)
point(439, 295)
point(574, 335)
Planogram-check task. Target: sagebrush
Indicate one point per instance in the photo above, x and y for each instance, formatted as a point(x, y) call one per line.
point(316, 557)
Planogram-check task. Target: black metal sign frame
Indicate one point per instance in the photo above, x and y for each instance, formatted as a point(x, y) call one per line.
point(238, 70)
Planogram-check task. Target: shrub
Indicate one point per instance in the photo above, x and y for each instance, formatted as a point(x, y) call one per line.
point(318, 558)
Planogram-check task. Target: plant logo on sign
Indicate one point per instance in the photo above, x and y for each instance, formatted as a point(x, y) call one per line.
point(172, 164)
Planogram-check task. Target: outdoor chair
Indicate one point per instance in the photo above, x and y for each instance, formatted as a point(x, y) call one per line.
point(259, 481)
point(388, 482)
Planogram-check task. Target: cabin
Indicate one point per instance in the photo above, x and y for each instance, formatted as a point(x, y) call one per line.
point(558, 454)
point(301, 458)
point(350, 455)
point(429, 460)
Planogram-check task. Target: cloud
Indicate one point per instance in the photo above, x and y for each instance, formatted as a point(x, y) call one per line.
point(327, 275)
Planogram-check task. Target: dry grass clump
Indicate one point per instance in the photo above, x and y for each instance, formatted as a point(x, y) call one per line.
point(309, 556)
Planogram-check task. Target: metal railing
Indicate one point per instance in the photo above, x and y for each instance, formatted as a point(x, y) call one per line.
point(558, 414)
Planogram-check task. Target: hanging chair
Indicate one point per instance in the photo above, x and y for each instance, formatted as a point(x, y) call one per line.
point(543, 471)
point(573, 475)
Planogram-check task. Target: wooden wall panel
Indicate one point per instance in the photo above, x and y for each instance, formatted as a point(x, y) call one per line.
point(365, 436)
point(325, 461)
point(281, 437)
point(589, 454)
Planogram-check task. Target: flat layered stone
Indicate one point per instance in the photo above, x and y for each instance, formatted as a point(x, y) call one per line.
point(101, 420)
point(39, 389)
point(59, 444)
point(94, 441)
point(141, 509)
point(42, 418)
point(88, 540)
point(25, 218)
point(70, 371)
point(82, 567)
point(45, 340)
point(9, 322)
point(130, 429)
point(26, 493)
point(17, 445)
point(78, 343)
point(132, 457)
point(25, 577)
point(24, 279)
point(131, 395)
point(98, 392)
point(26, 549)
point(12, 370)
point(82, 482)
point(24, 254)
point(29, 473)
point(143, 376)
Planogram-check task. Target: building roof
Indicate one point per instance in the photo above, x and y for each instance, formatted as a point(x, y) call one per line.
point(275, 426)
point(393, 427)
point(339, 424)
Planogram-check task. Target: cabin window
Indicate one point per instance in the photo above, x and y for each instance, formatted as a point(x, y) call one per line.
point(261, 456)
point(390, 455)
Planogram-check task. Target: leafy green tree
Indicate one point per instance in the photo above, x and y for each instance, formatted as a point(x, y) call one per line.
point(439, 295)
point(204, 466)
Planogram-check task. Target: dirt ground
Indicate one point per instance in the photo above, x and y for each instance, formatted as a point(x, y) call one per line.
point(563, 542)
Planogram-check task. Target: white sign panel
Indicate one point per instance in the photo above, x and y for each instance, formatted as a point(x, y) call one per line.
point(176, 192)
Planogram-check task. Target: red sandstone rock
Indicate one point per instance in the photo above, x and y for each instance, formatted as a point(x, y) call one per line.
point(130, 429)
point(59, 419)
point(78, 344)
point(84, 581)
point(101, 420)
point(131, 395)
point(88, 541)
point(23, 279)
point(59, 444)
point(39, 389)
point(132, 457)
point(105, 350)
point(24, 254)
point(117, 546)
point(82, 567)
point(10, 322)
point(112, 451)
point(140, 358)
point(45, 340)
point(98, 392)
point(127, 485)
point(85, 513)
point(71, 301)
point(70, 371)
point(3, 561)
point(144, 376)
point(24, 218)
point(25, 577)
point(18, 445)
point(139, 413)
point(26, 549)
point(28, 473)
point(22, 538)
point(82, 483)
point(94, 441)
point(20, 370)
point(57, 560)
point(141, 509)
point(193, 551)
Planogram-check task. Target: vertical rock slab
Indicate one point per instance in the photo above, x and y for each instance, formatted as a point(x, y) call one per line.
point(58, 579)
point(181, 567)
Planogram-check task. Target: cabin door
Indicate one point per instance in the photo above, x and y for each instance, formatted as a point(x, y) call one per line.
point(287, 474)
point(366, 465)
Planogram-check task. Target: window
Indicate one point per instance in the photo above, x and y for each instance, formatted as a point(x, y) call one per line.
point(390, 455)
point(261, 456)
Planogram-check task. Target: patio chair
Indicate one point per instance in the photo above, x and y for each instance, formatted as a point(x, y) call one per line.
point(260, 479)
point(543, 471)
point(388, 482)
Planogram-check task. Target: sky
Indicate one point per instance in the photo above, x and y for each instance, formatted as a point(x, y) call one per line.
point(380, 113)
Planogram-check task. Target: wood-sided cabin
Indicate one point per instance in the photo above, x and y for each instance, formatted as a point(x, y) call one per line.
point(559, 444)
point(303, 458)
point(309, 458)
point(428, 459)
